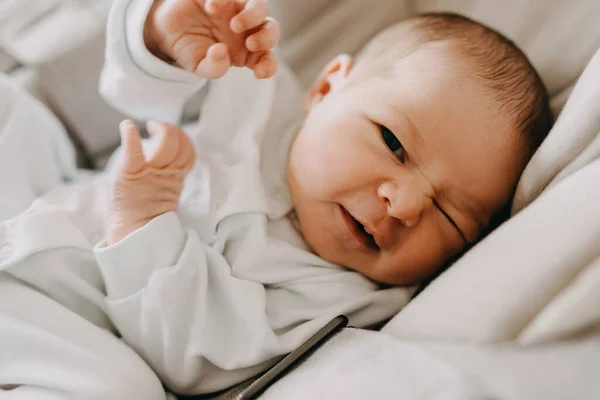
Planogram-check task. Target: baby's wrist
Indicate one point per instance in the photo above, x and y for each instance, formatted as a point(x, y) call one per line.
point(118, 229)
point(152, 35)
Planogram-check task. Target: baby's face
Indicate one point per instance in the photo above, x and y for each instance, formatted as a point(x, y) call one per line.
point(392, 176)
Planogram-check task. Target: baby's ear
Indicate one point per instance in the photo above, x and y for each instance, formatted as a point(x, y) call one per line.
point(331, 78)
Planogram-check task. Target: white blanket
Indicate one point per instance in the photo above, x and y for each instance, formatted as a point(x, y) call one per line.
point(358, 365)
point(35, 151)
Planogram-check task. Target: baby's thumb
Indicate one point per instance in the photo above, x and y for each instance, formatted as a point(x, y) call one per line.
point(215, 63)
point(133, 154)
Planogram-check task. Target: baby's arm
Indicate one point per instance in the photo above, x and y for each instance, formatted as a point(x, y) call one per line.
point(172, 297)
point(159, 54)
point(175, 301)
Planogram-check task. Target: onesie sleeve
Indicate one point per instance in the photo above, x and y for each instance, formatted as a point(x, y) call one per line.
point(133, 80)
point(174, 300)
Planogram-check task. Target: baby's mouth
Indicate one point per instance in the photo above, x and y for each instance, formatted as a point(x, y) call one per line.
point(358, 231)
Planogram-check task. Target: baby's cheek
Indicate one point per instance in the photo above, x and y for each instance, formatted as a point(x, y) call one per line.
point(323, 158)
point(420, 253)
point(312, 180)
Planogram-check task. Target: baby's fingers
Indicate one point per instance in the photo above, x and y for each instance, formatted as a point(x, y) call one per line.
point(168, 143)
point(266, 66)
point(252, 15)
point(266, 38)
point(133, 154)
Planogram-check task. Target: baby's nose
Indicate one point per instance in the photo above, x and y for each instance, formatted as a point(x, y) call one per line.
point(403, 202)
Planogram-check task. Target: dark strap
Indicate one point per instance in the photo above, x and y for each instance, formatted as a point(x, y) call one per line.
point(254, 387)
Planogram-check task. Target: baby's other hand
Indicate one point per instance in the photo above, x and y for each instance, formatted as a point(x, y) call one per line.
point(146, 187)
point(207, 37)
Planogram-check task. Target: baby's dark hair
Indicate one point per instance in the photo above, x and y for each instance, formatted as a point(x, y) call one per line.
point(496, 61)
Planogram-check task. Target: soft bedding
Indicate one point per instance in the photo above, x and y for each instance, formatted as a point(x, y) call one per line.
point(359, 364)
point(34, 150)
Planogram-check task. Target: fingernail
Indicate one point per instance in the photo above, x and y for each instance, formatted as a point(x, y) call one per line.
point(125, 124)
point(237, 26)
point(152, 126)
point(261, 73)
point(221, 54)
point(252, 44)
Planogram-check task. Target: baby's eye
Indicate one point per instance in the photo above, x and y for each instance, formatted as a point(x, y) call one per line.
point(392, 142)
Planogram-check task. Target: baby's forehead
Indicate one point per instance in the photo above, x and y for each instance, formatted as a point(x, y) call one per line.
point(427, 68)
point(410, 54)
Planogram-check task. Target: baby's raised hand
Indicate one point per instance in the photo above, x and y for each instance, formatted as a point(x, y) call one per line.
point(146, 187)
point(207, 37)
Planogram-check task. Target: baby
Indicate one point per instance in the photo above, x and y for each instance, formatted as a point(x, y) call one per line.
point(228, 246)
